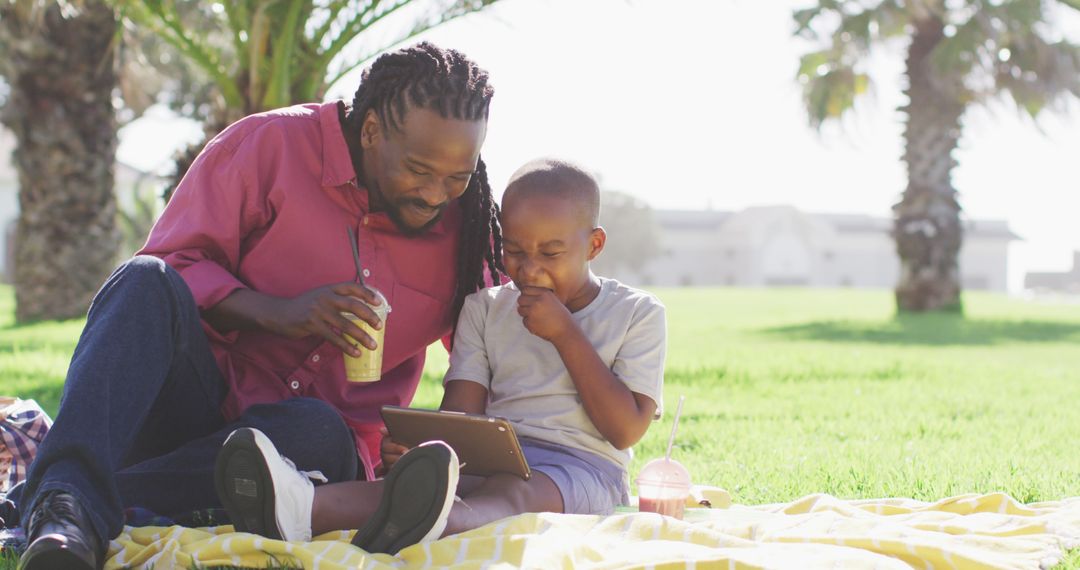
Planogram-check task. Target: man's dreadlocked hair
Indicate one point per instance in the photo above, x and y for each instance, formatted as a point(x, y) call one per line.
point(445, 81)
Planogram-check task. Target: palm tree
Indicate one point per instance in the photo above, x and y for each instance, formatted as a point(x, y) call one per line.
point(958, 53)
point(265, 54)
point(57, 59)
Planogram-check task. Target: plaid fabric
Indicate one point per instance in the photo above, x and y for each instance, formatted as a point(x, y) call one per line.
point(23, 424)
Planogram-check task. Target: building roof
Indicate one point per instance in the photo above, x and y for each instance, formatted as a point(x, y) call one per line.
point(690, 219)
point(698, 220)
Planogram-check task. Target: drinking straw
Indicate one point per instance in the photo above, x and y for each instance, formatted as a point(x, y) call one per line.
point(674, 428)
point(355, 255)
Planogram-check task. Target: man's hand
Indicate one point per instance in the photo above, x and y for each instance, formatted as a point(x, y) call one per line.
point(318, 312)
point(390, 451)
point(544, 315)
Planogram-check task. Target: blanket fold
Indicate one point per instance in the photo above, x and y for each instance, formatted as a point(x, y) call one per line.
point(817, 531)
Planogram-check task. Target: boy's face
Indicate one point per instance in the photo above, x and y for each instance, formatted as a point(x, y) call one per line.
point(548, 243)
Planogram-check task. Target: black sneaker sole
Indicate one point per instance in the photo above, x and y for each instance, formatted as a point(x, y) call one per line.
point(413, 496)
point(243, 484)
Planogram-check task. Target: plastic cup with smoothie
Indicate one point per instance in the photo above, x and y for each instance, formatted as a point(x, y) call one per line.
point(663, 486)
point(368, 366)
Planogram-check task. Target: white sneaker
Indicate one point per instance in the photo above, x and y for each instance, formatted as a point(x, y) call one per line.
point(417, 496)
point(263, 492)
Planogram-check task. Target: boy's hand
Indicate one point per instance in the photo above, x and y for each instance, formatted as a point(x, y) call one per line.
point(544, 315)
point(389, 450)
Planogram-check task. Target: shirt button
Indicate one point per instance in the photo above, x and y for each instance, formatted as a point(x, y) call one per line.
point(315, 358)
point(295, 385)
point(367, 273)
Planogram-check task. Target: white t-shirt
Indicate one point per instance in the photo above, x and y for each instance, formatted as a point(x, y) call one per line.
point(526, 379)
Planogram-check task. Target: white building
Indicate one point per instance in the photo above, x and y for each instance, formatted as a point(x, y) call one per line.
point(780, 245)
point(1059, 282)
point(761, 246)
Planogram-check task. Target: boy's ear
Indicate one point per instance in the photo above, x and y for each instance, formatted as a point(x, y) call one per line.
point(370, 130)
point(597, 240)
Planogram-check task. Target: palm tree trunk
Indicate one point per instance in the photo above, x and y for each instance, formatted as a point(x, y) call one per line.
point(60, 69)
point(927, 218)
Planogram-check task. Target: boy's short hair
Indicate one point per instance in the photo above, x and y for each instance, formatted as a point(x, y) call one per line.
point(560, 177)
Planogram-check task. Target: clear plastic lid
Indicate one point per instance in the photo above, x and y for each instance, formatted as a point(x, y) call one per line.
point(383, 308)
point(666, 473)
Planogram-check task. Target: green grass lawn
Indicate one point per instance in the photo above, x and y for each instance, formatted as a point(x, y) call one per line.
point(791, 392)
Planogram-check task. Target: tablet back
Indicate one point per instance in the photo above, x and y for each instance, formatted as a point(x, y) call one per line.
point(485, 445)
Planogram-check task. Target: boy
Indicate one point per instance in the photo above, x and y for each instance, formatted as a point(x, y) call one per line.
point(573, 360)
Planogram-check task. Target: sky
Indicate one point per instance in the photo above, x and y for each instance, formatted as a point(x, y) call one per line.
point(693, 104)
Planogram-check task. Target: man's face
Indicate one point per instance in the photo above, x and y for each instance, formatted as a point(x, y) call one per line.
point(414, 171)
point(547, 243)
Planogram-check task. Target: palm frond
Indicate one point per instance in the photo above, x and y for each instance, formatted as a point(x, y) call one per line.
point(164, 21)
point(1038, 74)
point(830, 86)
point(847, 31)
point(333, 13)
point(459, 9)
point(237, 15)
point(278, 88)
point(1003, 49)
point(363, 21)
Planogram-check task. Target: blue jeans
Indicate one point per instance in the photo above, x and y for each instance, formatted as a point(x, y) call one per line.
point(139, 421)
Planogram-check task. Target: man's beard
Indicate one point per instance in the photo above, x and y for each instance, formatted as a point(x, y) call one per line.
point(394, 212)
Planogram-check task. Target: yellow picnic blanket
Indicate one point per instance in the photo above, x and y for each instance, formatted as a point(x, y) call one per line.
point(817, 531)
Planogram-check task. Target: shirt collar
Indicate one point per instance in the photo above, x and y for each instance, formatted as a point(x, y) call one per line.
point(337, 164)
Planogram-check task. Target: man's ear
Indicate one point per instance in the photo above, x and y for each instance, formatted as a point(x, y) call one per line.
point(597, 240)
point(370, 130)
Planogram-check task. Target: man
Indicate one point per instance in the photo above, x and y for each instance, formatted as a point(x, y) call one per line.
point(231, 317)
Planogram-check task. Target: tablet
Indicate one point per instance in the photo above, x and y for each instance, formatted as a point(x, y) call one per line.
point(485, 445)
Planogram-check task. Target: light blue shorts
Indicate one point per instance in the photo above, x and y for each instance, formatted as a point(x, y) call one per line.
point(590, 484)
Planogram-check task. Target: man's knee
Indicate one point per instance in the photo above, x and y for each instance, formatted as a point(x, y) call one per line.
point(143, 280)
point(311, 433)
point(143, 270)
point(141, 275)
point(312, 413)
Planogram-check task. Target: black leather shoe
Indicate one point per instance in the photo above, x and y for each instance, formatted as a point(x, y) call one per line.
point(60, 536)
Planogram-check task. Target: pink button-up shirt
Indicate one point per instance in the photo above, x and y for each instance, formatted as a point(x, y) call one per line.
point(265, 206)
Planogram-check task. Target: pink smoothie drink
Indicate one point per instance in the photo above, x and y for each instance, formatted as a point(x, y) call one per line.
point(663, 486)
point(673, 507)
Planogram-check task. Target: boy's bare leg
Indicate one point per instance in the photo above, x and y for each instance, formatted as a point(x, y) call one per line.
point(501, 496)
point(348, 505)
point(345, 505)
point(468, 483)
